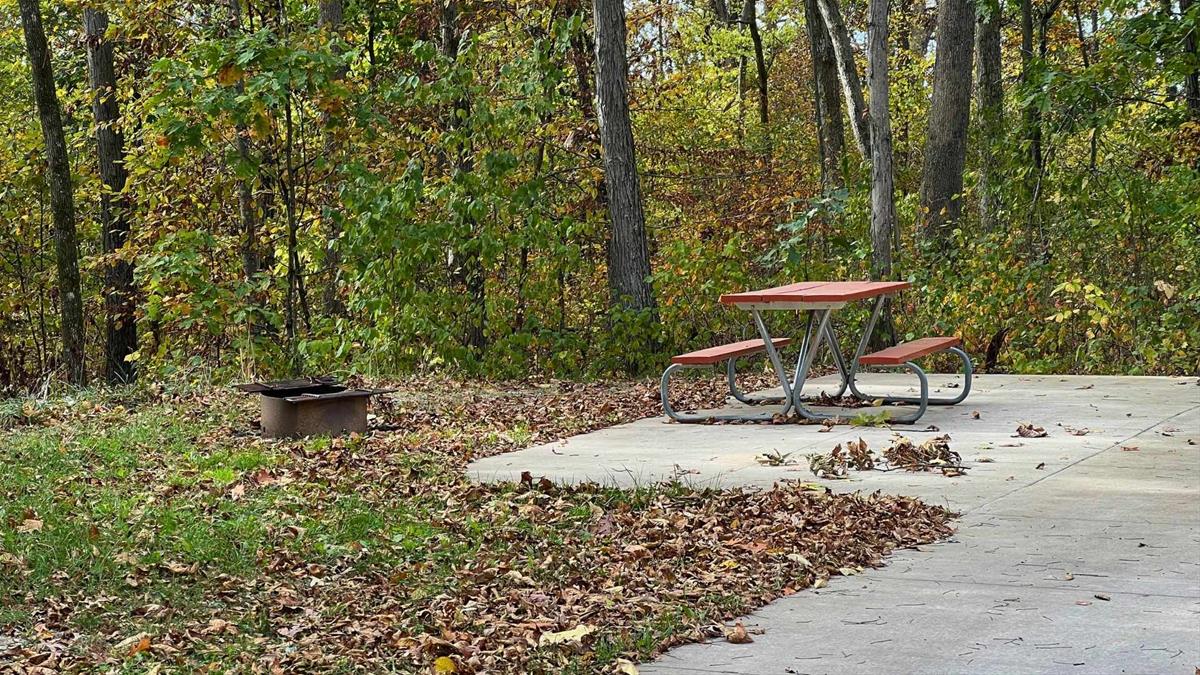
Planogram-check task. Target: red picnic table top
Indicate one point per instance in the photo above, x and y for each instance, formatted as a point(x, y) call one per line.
point(817, 291)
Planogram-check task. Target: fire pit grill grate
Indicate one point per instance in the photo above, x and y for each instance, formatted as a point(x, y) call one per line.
point(311, 406)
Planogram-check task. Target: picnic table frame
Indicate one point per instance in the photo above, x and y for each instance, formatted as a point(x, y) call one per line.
point(820, 299)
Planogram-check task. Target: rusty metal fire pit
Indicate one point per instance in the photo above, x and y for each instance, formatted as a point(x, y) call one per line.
point(311, 406)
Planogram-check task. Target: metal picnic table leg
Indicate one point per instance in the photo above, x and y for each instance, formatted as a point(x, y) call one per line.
point(825, 330)
point(838, 360)
point(862, 347)
point(807, 344)
point(773, 355)
point(922, 400)
point(805, 363)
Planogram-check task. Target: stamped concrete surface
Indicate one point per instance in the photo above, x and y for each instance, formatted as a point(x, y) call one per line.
point(1074, 553)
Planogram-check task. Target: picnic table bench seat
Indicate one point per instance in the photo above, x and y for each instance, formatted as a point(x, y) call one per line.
point(908, 351)
point(711, 356)
point(904, 354)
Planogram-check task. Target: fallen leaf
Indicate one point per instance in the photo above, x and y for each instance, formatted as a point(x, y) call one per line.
point(984, 460)
point(625, 667)
point(738, 635)
point(30, 525)
point(1040, 466)
point(444, 664)
point(1129, 448)
point(974, 414)
point(1083, 603)
point(1101, 596)
point(575, 634)
point(1027, 430)
point(132, 645)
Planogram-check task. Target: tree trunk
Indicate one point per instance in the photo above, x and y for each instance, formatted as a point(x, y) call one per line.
point(628, 250)
point(920, 30)
point(990, 92)
point(720, 10)
point(329, 18)
point(949, 115)
point(848, 74)
point(883, 205)
point(120, 327)
point(246, 206)
point(329, 15)
point(466, 262)
point(66, 244)
point(1032, 116)
point(1191, 84)
point(827, 106)
point(750, 19)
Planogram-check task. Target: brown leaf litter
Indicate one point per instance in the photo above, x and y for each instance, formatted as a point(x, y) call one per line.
point(463, 577)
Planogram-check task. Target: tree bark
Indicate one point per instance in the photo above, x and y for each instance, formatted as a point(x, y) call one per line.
point(1191, 83)
point(848, 75)
point(1032, 117)
point(750, 19)
point(949, 116)
point(120, 321)
point(920, 31)
point(246, 206)
point(466, 262)
point(628, 250)
point(720, 10)
point(329, 18)
point(329, 15)
point(62, 204)
point(990, 95)
point(831, 134)
point(883, 205)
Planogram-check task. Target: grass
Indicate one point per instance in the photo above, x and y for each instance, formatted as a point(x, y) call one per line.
point(124, 517)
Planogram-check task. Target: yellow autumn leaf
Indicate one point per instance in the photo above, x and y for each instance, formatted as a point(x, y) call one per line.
point(626, 667)
point(573, 635)
point(444, 664)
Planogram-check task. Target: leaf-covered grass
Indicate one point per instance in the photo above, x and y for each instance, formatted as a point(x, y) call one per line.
point(164, 532)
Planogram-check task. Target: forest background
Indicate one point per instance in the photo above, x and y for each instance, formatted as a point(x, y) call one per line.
point(387, 187)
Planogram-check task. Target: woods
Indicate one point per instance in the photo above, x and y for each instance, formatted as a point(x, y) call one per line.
point(212, 189)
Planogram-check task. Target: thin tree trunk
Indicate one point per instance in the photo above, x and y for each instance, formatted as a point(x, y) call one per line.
point(246, 207)
point(120, 327)
point(1032, 117)
point(329, 18)
point(1085, 55)
point(720, 10)
point(883, 205)
point(466, 263)
point(990, 91)
point(949, 116)
point(1191, 84)
point(848, 75)
point(62, 204)
point(750, 19)
point(922, 20)
point(827, 104)
point(628, 249)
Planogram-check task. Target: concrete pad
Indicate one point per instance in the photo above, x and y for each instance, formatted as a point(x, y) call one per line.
point(1049, 527)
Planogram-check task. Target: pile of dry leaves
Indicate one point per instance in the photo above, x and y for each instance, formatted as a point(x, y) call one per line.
point(933, 454)
point(377, 553)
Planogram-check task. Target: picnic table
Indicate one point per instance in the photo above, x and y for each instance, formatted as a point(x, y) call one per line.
point(819, 300)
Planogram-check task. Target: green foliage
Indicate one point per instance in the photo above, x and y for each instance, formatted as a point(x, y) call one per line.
point(398, 168)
